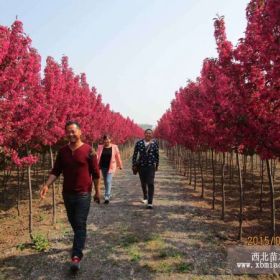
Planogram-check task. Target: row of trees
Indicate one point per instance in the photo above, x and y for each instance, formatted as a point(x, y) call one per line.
point(234, 105)
point(33, 110)
point(34, 107)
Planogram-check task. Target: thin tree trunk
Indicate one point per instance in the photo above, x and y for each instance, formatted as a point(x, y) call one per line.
point(18, 191)
point(206, 161)
point(240, 197)
point(244, 169)
point(6, 177)
point(213, 180)
point(231, 168)
point(180, 159)
point(30, 203)
point(272, 201)
point(227, 163)
point(252, 170)
point(53, 192)
point(201, 172)
point(190, 168)
point(43, 168)
point(194, 164)
point(261, 187)
point(185, 162)
point(273, 169)
point(223, 187)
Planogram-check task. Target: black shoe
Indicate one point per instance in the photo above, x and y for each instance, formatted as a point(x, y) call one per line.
point(150, 206)
point(106, 201)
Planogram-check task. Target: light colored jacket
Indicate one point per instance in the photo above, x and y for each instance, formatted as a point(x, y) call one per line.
point(115, 162)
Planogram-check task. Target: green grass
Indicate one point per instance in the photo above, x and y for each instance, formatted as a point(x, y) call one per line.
point(128, 240)
point(169, 252)
point(166, 259)
point(170, 265)
point(22, 246)
point(155, 243)
point(164, 267)
point(66, 231)
point(134, 253)
point(152, 237)
point(184, 267)
point(40, 242)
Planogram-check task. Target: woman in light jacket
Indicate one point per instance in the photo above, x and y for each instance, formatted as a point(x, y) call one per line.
point(109, 160)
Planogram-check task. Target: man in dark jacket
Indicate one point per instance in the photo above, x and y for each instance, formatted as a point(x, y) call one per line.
point(147, 163)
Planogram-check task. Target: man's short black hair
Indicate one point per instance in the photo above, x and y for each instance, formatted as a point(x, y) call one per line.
point(148, 129)
point(72, 122)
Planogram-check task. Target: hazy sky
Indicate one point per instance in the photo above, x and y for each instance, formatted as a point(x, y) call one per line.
point(136, 52)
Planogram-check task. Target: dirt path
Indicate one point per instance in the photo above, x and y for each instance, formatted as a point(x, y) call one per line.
point(178, 239)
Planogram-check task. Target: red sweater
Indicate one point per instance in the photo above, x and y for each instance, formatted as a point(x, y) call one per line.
point(78, 169)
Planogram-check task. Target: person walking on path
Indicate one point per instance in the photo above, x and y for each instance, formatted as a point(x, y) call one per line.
point(109, 160)
point(79, 166)
point(147, 165)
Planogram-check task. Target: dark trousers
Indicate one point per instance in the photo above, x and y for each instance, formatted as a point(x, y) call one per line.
point(77, 208)
point(147, 176)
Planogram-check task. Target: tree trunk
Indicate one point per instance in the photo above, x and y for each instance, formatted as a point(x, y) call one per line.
point(195, 177)
point(30, 203)
point(180, 159)
point(272, 201)
point(231, 168)
point(261, 187)
point(223, 187)
point(206, 161)
point(213, 180)
point(20, 179)
point(190, 168)
point(227, 163)
point(240, 197)
point(252, 170)
point(18, 191)
point(244, 169)
point(43, 167)
point(185, 162)
point(201, 173)
point(53, 191)
point(6, 176)
point(273, 169)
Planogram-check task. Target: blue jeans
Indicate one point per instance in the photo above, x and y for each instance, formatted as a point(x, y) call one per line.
point(107, 181)
point(77, 208)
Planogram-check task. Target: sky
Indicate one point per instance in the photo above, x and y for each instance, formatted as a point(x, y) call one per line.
point(137, 53)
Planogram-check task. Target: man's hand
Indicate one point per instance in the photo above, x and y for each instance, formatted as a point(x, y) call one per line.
point(44, 191)
point(44, 188)
point(96, 197)
point(96, 183)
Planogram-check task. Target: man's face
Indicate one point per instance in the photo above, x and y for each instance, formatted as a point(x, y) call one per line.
point(148, 135)
point(73, 133)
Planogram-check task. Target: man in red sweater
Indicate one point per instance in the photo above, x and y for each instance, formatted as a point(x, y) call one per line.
point(79, 166)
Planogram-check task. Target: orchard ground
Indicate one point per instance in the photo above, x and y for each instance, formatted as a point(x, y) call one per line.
point(181, 238)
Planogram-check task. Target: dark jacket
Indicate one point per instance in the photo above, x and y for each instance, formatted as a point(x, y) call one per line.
point(145, 158)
